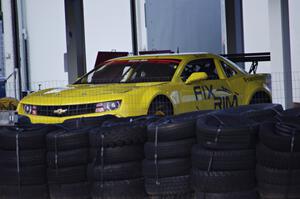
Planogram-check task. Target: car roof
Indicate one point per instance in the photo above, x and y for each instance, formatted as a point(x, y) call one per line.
point(168, 56)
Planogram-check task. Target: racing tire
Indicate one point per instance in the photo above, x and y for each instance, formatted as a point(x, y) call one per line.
point(24, 192)
point(168, 186)
point(222, 181)
point(67, 158)
point(114, 155)
point(32, 175)
point(226, 132)
point(125, 189)
point(270, 138)
point(166, 168)
point(69, 191)
point(26, 158)
point(171, 129)
point(276, 159)
point(277, 177)
point(124, 171)
point(204, 159)
point(166, 150)
point(61, 140)
point(252, 194)
point(28, 139)
point(117, 136)
point(66, 175)
point(271, 191)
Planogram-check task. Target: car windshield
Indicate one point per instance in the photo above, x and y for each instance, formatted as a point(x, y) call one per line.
point(132, 71)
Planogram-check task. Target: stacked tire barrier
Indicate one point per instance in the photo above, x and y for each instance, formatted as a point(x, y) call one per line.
point(116, 154)
point(256, 112)
point(278, 157)
point(224, 158)
point(67, 158)
point(168, 150)
point(23, 162)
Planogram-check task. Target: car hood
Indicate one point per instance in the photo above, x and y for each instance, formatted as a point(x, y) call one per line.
point(85, 93)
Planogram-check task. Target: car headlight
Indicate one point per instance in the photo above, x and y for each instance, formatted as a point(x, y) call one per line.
point(107, 106)
point(30, 109)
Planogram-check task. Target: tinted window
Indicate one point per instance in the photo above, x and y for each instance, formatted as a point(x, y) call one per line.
point(200, 65)
point(131, 71)
point(228, 70)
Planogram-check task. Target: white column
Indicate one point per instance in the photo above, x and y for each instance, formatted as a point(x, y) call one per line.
point(8, 47)
point(280, 52)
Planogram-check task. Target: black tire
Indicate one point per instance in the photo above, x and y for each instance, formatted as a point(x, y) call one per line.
point(69, 191)
point(166, 168)
point(26, 158)
point(67, 158)
point(125, 189)
point(32, 175)
point(114, 155)
point(276, 159)
point(290, 116)
point(168, 186)
point(86, 122)
point(67, 140)
point(129, 170)
point(165, 150)
point(260, 97)
point(117, 136)
point(234, 195)
point(204, 159)
point(222, 181)
point(277, 177)
point(161, 105)
point(272, 140)
point(270, 191)
point(287, 129)
point(24, 192)
point(187, 195)
point(263, 112)
point(67, 175)
point(226, 132)
point(141, 120)
point(171, 129)
point(29, 139)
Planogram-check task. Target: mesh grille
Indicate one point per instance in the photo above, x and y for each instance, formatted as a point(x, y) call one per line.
point(63, 111)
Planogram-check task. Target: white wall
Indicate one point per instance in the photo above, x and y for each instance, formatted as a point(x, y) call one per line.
point(256, 30)
point(294, 6)
point(47, 42)
point(107, 27)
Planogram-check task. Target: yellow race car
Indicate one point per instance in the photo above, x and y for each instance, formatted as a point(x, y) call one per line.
point(150, 84)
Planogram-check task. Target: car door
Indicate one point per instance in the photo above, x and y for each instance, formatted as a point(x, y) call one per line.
point(209, 94)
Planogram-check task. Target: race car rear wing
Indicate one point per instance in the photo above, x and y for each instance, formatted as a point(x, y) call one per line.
point(249, 57)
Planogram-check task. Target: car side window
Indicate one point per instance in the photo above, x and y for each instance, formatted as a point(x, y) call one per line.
point(229, 71)
point(200, 65)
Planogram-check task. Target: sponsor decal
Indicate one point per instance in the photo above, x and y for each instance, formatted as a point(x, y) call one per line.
point(220, 102)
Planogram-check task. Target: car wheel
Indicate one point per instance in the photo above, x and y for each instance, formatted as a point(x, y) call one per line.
point(161, 106)
point(260, 97)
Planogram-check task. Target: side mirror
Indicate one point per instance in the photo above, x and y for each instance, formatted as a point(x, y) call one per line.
point(196, 77)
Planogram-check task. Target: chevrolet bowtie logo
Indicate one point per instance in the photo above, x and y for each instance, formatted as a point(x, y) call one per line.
point(60, 111)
